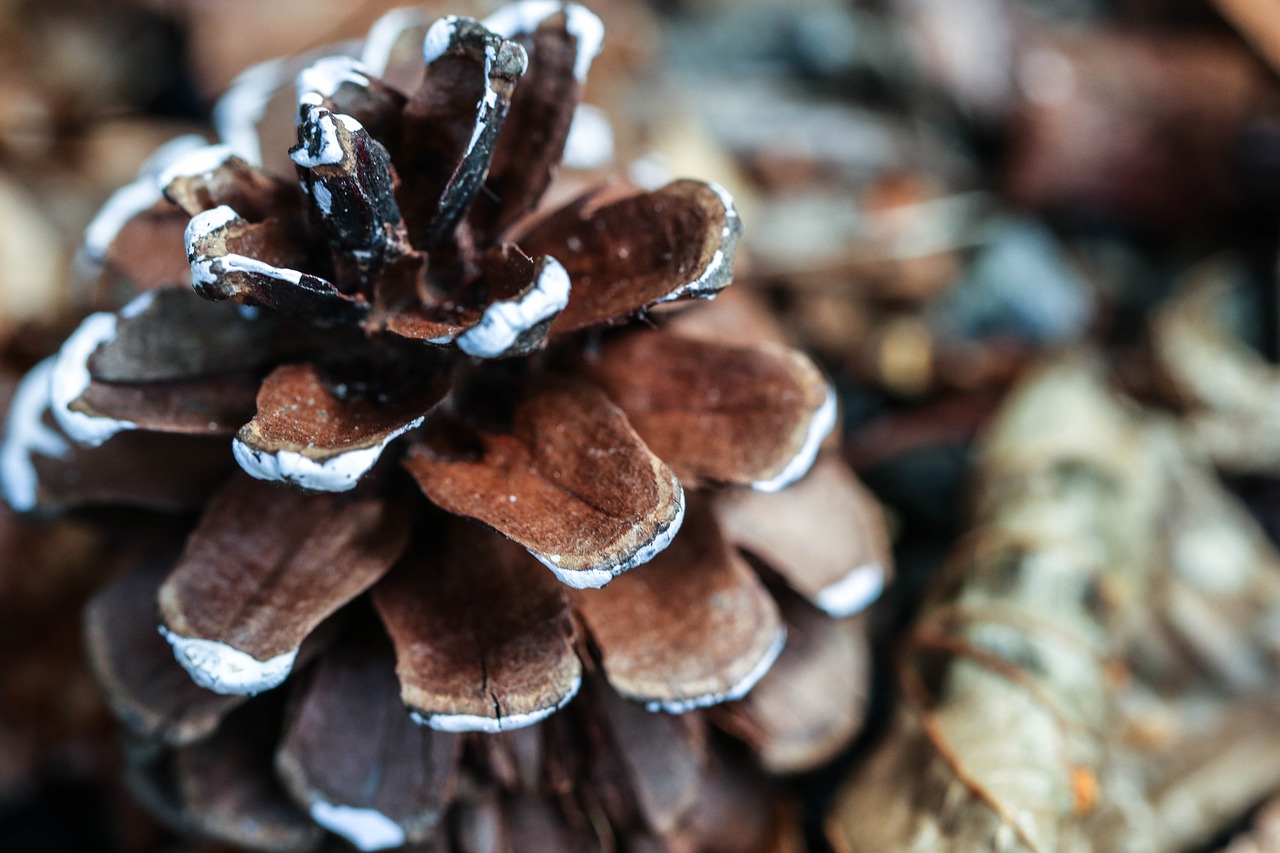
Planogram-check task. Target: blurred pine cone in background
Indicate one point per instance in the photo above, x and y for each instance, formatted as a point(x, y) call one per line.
point(402, 304)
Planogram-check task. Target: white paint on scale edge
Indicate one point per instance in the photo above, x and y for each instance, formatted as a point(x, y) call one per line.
point(227, 670)
point(582, 24)
point(365, 829)
point(492, 725)
point(504, 322)
point(737, 691)
point(70, 379)
point(27, 435)
point(820, 426)
point(338, 473)
point(596, 577)
point(853, 593)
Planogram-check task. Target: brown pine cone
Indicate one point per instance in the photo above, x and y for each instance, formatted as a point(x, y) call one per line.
point(406, 306)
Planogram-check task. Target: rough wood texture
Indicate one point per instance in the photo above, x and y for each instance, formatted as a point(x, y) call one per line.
point(482, 634)
point(692, 628)
point(1056, 697)
point(528, 153)
point(553, 482)
point(626, 254)
point(265, 565)
point(717, 413)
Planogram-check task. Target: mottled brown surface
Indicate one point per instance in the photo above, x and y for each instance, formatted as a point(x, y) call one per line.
point(691, 623)
point(298, 412)
point(480, 628)
point(625, 254)
point(266, 565)
point(815, 532)
point(570, 480)
point(147, 689)
point(712, 412)
point(348, 741)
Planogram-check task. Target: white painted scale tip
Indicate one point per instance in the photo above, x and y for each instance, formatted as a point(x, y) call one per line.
point(820, 426)
point(226, 670)
point(853, 593)
point(504, 322)
point(238, 111)
point(327, 75)
point(364, 829)
point(195, 163)
point(456, 723)
point(734, 693)
point(384, 34)
point(597, 576)
point(338, 473)
point(438, 38)
point(70, 378)
point(123, 204)
point(590, 141)
point(524, 17)
point(329, 151)
point(206, 222)
point(25, 436)
point(133, 198)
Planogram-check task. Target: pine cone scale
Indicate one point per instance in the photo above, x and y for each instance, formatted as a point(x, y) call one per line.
point(483, 636)
point(707, 645)
point(257, 577)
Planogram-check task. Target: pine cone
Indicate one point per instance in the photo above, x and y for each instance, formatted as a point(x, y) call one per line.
point(405, 306)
